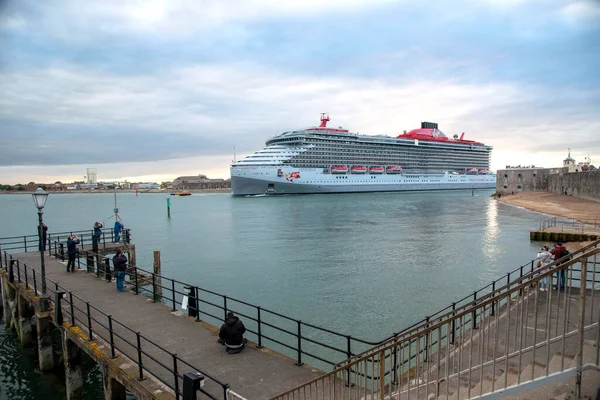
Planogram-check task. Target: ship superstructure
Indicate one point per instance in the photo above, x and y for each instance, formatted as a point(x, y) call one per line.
point(324, 160)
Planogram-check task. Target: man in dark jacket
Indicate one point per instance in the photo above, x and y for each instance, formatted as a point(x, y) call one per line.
point(559, 251)
point(120, 265)
point(43, 235)
point(232, 334)
point(72, 242)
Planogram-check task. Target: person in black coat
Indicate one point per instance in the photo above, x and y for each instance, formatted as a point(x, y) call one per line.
point(232, 334)
point(120, 265)
point(72, 243)
point(43, 235)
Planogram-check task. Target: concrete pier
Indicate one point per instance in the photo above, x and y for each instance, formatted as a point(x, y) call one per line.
point(25, 328)
point(254, 373)
point(73, 372)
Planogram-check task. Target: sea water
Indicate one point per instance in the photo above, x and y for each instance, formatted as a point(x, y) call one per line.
point(364, 264)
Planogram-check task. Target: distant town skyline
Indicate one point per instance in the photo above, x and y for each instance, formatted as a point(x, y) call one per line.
point(148, 91)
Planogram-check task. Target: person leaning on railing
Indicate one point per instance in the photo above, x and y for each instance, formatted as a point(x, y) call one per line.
point(545, 259)
point(559, 251)
point(120, 266)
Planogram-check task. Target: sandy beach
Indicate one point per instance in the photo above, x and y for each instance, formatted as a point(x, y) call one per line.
point(556, 205)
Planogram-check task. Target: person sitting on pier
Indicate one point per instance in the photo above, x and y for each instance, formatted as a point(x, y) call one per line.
point(120, 266)
point(231, 334)
point(118, 227)
point(72, 242)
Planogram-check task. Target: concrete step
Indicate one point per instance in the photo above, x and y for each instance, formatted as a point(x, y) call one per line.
point(557, 361)
point(463, 394)
point(590, 350)
point(538, 368)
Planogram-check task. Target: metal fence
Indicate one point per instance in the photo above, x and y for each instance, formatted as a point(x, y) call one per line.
point(571, 225)
point(150, 357)
point(296, 338)
point(497, 343)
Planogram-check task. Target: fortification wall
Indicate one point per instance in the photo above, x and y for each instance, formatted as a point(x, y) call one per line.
point(512, 181)
point(581, 184)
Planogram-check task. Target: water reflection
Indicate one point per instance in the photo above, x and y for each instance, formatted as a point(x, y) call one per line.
point(491, 249)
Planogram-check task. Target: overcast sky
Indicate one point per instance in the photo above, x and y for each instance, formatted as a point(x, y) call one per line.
point(152, 89)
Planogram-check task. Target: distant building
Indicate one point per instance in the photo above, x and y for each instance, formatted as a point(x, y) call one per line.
point(147, 185)
point(582, 180)
point(92, 176)
point(200, 182)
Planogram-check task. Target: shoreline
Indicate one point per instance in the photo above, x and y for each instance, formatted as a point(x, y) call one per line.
point(555, 205)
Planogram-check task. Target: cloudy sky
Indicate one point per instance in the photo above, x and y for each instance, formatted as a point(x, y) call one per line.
point(153, 89)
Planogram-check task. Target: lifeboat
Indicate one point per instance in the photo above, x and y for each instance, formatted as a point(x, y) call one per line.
point(376, 170)
point(358, 169)
point(339, 169)
point(483, 172)
point(393, 169)
point(472, 170)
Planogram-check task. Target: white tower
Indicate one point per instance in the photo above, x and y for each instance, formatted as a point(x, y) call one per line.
point(92, 176)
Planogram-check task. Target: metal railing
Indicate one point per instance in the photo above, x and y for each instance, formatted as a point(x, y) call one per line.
point(291, 336)
point(501, 342)
point(571, 225)
point(27, 243)
point(150, 357)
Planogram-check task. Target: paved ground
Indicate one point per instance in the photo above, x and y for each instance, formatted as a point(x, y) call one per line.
point(254, 373)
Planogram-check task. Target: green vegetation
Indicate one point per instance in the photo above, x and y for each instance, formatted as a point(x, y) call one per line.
point(5, 187)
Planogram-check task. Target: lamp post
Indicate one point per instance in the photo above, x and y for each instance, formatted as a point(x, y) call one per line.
point(39, 197)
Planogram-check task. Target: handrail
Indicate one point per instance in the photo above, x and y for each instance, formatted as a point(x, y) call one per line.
point(413, 339)
point(570, 222)
point(91, 321)
point(346, 344)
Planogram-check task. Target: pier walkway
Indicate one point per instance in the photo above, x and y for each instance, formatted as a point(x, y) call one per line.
point(254, 373)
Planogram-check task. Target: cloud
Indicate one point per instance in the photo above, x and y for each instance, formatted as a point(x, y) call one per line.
point(108, 82)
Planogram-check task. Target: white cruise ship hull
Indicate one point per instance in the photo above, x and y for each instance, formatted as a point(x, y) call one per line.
point(266, 180)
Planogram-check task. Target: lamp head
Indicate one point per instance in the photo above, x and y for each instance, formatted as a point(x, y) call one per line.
point(39, 198)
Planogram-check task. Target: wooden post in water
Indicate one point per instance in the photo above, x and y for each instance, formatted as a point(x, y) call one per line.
point(169, 207)
point(158, 279)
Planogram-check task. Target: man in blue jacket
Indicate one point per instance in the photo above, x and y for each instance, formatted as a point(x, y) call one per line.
point(118, 227)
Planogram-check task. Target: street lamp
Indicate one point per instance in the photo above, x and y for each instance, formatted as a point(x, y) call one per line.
point(39, 197)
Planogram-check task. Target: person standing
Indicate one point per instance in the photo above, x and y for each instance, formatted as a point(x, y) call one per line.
point(559, 251)
point(545, 259)
point(43, 235)
point(72, 242)
point(96, 237)
point(120, 266)
point(118, 227)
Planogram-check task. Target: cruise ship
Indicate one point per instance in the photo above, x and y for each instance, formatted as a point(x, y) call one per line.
point(322, 159)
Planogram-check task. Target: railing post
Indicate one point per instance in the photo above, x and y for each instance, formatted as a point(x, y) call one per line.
point(521, 280)
point(112, 340)
point(224, 307)
point(34, 283)
point(395, 363)
point(474, 315)
point(581, 326)
point(197, 302)
point(137, 287)
point(25, 240)
point(174, 305)
point(299, 344)
point(18, 271)
point(426, 339)
point(259, 328)
point(139, 351)
point(153, 287)
point(176, 376)
point(453, 329)
point(89, 318)
point(107, 274)
point(493, 302)
point(26, 280)
point(72, 308)
point(348, 355)
point(11, 270)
